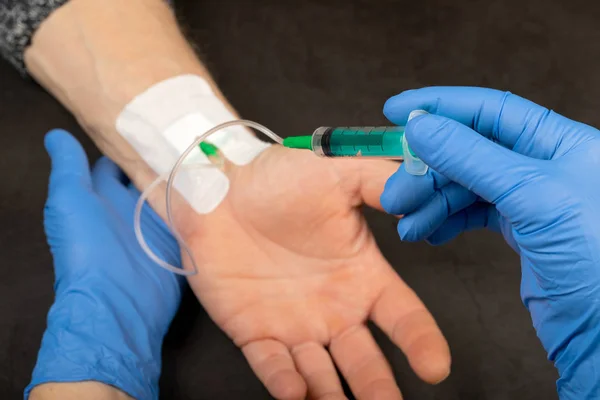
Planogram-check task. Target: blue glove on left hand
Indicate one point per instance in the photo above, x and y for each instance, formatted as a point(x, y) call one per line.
point(113, 306)
point(502, 162)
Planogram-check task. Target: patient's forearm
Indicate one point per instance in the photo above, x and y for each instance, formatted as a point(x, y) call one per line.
point(76, 391)
point(96, 56)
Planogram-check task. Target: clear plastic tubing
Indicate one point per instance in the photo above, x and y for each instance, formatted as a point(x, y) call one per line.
point(170, 181)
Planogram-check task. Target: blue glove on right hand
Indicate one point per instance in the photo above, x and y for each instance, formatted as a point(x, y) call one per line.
point(539, 185)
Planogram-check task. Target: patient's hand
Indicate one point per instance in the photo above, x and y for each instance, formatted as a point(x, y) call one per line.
point(288, 264)
point(291, 272)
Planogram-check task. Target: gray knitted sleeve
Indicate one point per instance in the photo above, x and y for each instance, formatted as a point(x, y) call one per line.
point(18, 21)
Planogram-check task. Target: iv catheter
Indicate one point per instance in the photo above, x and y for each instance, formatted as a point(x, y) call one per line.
point(209, 150)
point(381, 142)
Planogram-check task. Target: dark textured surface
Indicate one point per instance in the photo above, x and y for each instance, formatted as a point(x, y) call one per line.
point(296, 66)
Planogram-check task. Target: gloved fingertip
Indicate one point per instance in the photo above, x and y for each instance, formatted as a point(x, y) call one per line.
point(105, 162)
point(55, 139)
point(395, 108)
point(406, 230)
point(388, 196)
point(424, 124)
point(386, 202)
point(404, 193)
point(449, 230)
point(443, 235)
point(67, 157)
point(436, 240)
point(106, 167)
point(422, 132)
point(390, 105)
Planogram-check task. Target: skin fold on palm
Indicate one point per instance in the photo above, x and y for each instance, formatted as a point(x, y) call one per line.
point(291, 272)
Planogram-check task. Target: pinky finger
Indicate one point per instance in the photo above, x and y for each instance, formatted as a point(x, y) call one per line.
point(272, 363)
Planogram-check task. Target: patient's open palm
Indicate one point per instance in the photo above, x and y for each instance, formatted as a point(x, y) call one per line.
point(290, 271)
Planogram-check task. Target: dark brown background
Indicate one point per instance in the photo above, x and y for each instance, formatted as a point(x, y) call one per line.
point(294, 66)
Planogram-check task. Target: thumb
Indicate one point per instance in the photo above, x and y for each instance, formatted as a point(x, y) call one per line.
point(366, 180)
point(70, 167)
point(464, 156)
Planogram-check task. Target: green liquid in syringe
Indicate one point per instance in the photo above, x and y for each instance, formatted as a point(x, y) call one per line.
point(385, 141)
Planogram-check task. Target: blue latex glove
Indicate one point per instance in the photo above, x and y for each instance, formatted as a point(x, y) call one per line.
point(113, 305)
point(502, 162)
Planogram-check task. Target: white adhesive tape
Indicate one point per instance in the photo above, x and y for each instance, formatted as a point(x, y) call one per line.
point(164, 120)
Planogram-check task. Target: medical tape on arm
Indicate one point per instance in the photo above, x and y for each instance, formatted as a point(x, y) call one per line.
point(164, 120)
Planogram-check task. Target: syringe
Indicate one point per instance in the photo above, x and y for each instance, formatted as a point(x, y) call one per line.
point(364, 141)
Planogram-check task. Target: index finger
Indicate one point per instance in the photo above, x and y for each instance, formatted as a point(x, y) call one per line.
point(500, 116)
point(404, 318)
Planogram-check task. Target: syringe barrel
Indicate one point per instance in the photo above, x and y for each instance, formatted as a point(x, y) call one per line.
point(362, 141)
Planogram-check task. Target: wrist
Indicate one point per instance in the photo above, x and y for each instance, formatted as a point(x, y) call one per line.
point(570, 335)
point(86, 340)
point(578, 367)
point(95, 57)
